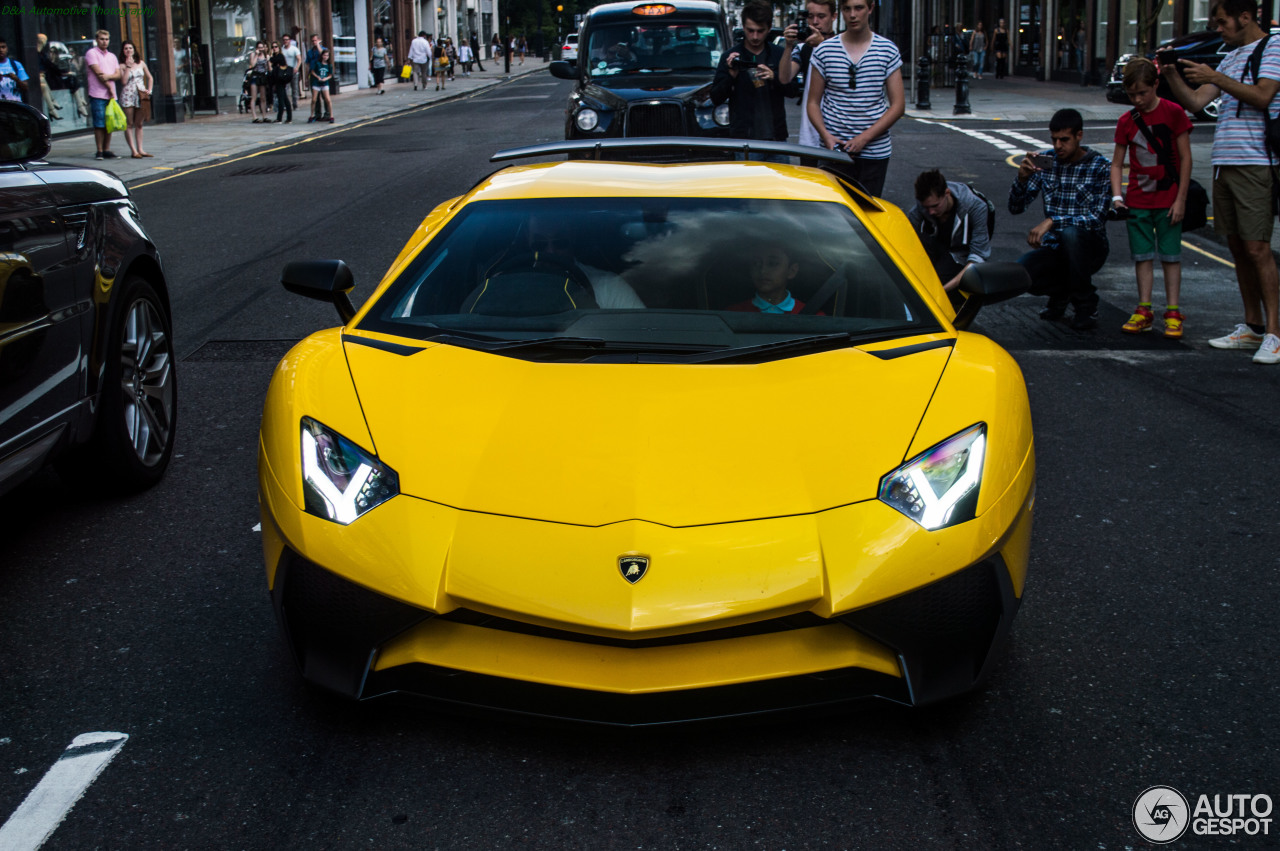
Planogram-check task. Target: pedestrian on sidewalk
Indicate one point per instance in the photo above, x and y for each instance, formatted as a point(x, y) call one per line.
point(856, 94)
point(1243, 175)
point(320, 107)
point(451, 53)
point(104, 70)
point(1156, 135)
point(259, 79)
point(13, 77)
point(1070, 244)
point(475, 51)
point(321, 74)
point(135, 96)
point(464, 56)
point(420, 58)
point(440, 60)
point(978, 49)
point(378, 63)
point(293, 56)
point(282, 77)
point(1000, 46)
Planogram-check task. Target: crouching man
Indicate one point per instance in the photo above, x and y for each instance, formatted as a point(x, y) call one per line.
point(953, 223)
point(1070, 244)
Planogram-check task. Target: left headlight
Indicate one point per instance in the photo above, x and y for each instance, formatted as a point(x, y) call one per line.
point(939, 487)
point(587, 119)
point(721, 115)
point(340, 481)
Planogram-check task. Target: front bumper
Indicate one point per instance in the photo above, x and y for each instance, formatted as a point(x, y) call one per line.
point(803, 612)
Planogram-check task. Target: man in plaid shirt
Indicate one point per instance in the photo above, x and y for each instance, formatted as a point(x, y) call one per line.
point(1070, 245)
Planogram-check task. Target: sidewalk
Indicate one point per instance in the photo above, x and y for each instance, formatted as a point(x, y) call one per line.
point(208, 138)
point(1018, 99)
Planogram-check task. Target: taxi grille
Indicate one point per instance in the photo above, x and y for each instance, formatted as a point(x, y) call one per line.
point(663, 119)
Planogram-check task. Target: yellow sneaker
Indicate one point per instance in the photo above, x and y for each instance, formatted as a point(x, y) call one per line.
point(1140, 321)
point(1173, 320)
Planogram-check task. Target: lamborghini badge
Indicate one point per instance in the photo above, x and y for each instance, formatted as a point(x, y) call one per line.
point(633, 567)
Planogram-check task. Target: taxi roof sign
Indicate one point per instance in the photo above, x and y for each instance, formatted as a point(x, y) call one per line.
point(654, 9)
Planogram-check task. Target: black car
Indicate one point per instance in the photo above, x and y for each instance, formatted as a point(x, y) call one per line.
point(1205, 47)
point(86, 359)
point(645, 69)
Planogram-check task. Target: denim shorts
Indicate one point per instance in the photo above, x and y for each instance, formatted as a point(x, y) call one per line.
point(1153, 237)
point(98, 111)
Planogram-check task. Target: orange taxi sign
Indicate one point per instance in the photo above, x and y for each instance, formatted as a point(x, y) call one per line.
point(654, 9)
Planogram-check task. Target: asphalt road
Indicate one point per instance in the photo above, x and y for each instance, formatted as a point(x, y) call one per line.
point(1144, 652)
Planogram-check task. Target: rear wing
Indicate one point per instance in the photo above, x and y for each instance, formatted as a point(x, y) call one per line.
point(667, 149)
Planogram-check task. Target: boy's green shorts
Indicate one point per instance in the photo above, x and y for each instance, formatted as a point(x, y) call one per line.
point(1152, 236)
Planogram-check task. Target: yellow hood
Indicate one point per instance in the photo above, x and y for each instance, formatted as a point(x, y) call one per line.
point(679, 445)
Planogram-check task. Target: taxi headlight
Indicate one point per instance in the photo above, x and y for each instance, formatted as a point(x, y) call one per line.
point(340, 481)
point(587, 119)
point(721, 115)
point(939, 487)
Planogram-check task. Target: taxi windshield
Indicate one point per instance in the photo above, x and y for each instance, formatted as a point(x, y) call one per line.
point(661, 275)
point(648, 48)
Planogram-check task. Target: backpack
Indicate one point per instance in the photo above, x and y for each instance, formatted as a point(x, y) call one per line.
point(1271, 134)
point(991, 210)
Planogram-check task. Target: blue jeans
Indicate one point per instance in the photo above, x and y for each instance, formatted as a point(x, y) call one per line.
point(1064, 272)
point(979, 61)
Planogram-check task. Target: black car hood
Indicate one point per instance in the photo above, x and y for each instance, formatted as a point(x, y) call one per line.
point(633, 87)
point(73, 184)
point(1191, 41)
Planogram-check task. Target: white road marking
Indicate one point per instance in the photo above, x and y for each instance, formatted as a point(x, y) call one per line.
point(1036, 144)
point(257, 527)
point(518, 97)
point(36, 818)
point(976, 134)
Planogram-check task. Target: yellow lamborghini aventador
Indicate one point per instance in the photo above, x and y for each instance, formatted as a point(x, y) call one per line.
point(638, 442)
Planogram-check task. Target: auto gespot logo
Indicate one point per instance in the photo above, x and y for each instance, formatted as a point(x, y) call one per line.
point(1162, 814)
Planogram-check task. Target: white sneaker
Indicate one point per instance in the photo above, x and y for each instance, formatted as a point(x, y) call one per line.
point(1269, 351)
point(1241, 338)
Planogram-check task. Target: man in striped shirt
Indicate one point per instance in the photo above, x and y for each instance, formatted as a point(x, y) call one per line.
point(1242, 165)
point(856, 94)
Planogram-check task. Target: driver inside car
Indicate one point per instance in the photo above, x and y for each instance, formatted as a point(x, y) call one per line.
point(556, 240)
point(772, 270)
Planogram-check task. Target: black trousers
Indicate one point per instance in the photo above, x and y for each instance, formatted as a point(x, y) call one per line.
point(283, 104)
point(1064, 272)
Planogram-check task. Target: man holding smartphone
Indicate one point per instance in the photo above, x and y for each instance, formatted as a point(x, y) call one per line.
point(1248, 79)
point(818, 25)
point(1070, 244)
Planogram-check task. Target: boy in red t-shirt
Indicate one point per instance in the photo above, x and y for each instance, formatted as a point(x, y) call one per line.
point(1155, 134)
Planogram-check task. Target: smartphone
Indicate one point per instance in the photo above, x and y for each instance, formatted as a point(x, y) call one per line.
point(1167, 57)
point(1044, 162)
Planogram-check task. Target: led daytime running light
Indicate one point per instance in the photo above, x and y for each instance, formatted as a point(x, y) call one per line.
point(930, 486)
point(342, 481)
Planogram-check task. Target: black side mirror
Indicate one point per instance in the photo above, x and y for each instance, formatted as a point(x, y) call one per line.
point(564, 70)
point(325, 280)
point(24, 133)
point(988, 283)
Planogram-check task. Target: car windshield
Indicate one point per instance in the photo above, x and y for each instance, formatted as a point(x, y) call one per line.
point(677, 277)
point(648, 48)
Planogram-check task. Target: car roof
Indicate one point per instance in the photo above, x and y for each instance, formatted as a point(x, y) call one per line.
point(605, 179)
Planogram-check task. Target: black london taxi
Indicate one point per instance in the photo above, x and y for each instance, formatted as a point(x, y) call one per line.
point(645, 69)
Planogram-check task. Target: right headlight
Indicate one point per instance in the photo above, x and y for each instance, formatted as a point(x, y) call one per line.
point(587, 119)
point(721, 115)
point(340, 481)
point(939, 487)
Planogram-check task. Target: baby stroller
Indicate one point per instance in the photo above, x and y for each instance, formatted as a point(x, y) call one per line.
point(245, 103)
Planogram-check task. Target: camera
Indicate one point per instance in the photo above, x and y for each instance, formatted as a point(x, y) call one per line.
point(1167, 57)
point(802, 27)
point(747, 61)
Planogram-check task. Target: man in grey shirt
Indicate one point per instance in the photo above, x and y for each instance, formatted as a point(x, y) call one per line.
point(953, 224)
point(293, 58)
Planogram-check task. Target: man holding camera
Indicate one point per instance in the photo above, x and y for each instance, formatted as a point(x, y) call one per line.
point(748, 79)
point(1070, 244)
point(1247, 78)
point(815, 26)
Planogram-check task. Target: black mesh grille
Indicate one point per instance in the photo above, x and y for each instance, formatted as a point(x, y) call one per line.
point(947, 610)
point(663, 119)
point(317, 597)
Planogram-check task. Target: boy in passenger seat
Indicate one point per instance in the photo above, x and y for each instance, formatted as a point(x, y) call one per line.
point(772, 270)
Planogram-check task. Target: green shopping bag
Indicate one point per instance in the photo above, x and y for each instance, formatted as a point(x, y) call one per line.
point(115, 117)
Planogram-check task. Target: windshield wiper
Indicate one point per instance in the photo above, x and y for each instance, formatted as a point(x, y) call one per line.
point(575, 344)
point(815, 343)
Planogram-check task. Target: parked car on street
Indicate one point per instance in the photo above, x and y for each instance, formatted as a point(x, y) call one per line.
point(645, 69)
point(569, 50)
point(87, 375)
point(568, 460)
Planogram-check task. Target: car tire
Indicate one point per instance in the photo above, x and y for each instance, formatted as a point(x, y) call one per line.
point(136, 422)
